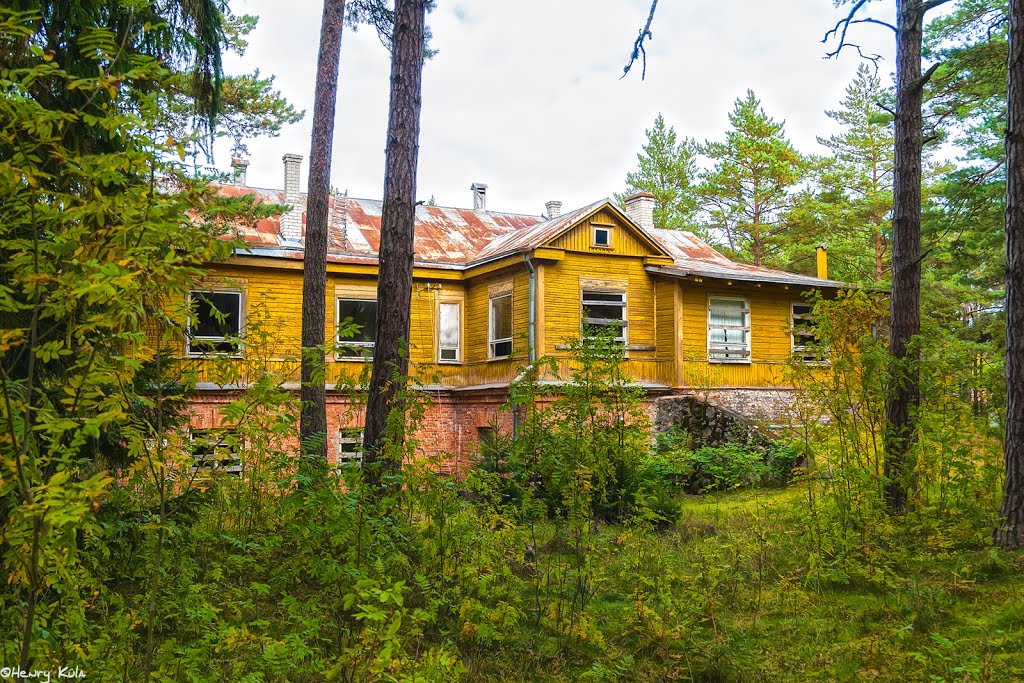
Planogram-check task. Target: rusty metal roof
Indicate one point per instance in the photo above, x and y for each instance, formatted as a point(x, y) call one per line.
point(694, 257)
point(457, 238)
point(444, 236)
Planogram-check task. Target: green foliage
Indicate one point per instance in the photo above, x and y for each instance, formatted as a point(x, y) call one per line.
point(667, 169)
point(748, 191)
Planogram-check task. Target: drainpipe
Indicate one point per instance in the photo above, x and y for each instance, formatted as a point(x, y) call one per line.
point(531, 353)
point(532, 338)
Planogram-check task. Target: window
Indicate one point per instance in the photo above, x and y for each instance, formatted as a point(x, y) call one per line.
point(728, 330)
point(216, 449)
point(357, 327)
point(602, 237)
point(604, 310)
point(350, 445)
point(214, 323)
point(449, 331)
point(500, 337)
point(803, 333)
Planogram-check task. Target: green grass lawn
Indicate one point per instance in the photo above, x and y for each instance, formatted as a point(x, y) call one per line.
point(734, 591)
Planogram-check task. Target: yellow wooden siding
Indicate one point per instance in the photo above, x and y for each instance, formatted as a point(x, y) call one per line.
point(562, 299)
point(665, 317)
point(477, 313)
point(273, 321)
point(623, 241)
point(770, 342)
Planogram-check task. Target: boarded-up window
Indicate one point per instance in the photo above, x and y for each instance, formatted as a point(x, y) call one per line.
point(449, 331)
point(605, 312)
point(357, 327)
point(350, 446)
point(500, 337)
point(214, 322)
point(803, 333)
point(216, 449)
point(728, 330)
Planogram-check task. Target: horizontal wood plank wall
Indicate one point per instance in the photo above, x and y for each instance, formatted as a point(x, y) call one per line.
point(477, 312)
point(562, 298)
point(273, 322)
point(624, 243)
point(771, 345)
point(665, 317)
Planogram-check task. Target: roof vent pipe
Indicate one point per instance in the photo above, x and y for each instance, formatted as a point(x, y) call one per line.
point(553, 208)
point(479, 196)
point(640, 209)
point(822, 261)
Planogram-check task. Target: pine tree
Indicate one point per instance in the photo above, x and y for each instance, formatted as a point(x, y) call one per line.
point(750, 189)
point(851, 199)
point(667, 170)
point(1010, 532)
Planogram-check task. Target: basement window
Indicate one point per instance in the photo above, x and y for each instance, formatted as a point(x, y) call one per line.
point(500, 326)
point(216, 450)
point(728, 330)
point(214, 322)
point(602, 237)
point(602, 311)
point(350, 446)
point(357, 328)
point(449, 332)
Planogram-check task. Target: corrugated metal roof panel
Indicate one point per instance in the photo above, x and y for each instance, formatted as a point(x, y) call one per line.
point(455, 238)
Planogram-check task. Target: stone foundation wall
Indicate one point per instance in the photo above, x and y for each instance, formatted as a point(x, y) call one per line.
point(708, 424)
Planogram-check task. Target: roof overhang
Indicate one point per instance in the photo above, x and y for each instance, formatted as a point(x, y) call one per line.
point(770, 277)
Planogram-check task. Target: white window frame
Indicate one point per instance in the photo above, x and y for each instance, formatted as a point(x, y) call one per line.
point(492, 341)
point(350, 343)
point(189, 337)
point(729, 352)
point(623, 336)
point(593, 236)
point(236, 465)
point(348, 436)
point(458, 347)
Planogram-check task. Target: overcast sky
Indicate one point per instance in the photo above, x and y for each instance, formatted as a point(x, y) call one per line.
point(526, 97)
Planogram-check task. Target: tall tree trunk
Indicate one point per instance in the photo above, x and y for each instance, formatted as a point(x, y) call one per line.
point(1010, 532)
point(394, 281)
point(313, 418)
point(879, 252)
point(904, 392)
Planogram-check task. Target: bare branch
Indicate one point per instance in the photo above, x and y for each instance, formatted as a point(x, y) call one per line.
point(869, 20)
point(638, 45)
point(844, 25)
point(932, 4)
point(885, 108)
point(927, 75)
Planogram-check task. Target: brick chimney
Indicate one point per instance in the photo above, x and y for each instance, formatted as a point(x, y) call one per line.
point(640, 209)
point(553, 208)
point(291, 222)
point(238, 166)
point(479, 196)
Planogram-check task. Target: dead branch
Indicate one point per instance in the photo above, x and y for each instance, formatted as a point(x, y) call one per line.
point(638, 45)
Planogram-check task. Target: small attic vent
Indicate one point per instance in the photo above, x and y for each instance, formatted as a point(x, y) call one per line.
point(602, 236)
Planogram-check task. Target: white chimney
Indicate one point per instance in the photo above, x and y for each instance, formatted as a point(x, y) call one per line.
point(640, 209)
point(239, 165)
point(553, 208)
point(479, 196)
point(291, 222)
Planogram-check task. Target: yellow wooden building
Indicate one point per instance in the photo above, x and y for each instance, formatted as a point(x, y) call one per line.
point(495, 291)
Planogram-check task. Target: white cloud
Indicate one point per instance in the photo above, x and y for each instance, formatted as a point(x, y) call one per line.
point(526, 96)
